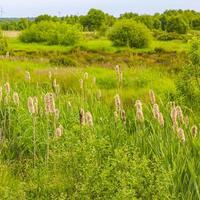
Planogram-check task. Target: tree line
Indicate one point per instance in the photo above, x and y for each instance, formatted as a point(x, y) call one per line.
point(179, 21)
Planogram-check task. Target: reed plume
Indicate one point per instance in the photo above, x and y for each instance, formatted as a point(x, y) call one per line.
point(152, 97)
point(139, 111)
point(89, 118)
point(49, 103)
point(31, 106)
point(27, 76)
point(16, 98)
point(7, 88)
point(59, 131)
point(85, 76)
point(123, 116)
point(194, 131)
point(181, 134)
point(161, 119)
point(156, 111)
point(180, 114)
point(117, 103)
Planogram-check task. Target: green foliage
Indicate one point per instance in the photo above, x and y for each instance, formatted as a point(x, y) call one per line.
point(130, 33)
point(188, 83)
point(63, 61)
point(18, 24)
point(165, 36)
point(52, 33)
point(10, 187)
point(93, 20)
point(3, 44)
point(46, 17)
point(177, 24)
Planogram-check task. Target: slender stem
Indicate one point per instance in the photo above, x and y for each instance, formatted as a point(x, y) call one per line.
point(34, 140)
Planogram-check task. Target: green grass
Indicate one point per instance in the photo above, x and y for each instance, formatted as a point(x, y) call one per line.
point(96, 45)
point(116, 158)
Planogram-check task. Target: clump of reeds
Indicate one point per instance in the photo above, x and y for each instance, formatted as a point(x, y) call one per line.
point(85, 118)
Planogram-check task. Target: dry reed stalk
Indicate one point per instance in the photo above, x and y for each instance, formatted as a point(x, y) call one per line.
point(82, 117)
point(161, 120)
point(1, 94)
point(152, 97)
point(123, 116)
point(118, 105)
point(180, 114)
point(194, 131)
point(27, 76)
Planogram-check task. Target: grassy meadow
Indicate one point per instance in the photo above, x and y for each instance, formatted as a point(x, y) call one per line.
point(96, 121)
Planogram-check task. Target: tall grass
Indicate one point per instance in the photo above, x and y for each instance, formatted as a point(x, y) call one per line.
point(75, 144)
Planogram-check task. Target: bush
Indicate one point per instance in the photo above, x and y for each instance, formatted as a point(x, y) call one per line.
point(165, 36)
point(188, 85)
point(63, 61)
point(130, 33)
point(178, 25)
point(3, 44)
point(52, 33)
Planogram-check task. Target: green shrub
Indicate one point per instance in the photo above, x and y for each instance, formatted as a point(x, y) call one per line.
point(52, 33)
point(188, 85)
point(165, 36)
point(130, 33)
point(178, 25)
point(63, 61)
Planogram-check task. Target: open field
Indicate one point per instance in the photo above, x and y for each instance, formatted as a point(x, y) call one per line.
point(11, 34)
point(97, 45)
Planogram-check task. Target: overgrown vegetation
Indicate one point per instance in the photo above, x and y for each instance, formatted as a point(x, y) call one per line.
point(188, 82)
point(52, 33)
point(3, 44)
point(80, 136)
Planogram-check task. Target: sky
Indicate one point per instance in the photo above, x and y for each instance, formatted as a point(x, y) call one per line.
point(32, 8)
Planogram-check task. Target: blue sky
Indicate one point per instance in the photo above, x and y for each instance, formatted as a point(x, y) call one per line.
point(25, 8)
